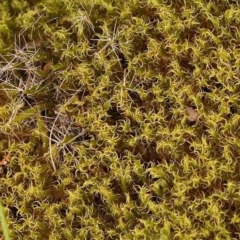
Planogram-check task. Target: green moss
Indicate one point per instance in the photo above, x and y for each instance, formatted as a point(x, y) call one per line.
point(120, 119)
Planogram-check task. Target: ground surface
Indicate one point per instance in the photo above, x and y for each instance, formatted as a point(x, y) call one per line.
point(120, 119)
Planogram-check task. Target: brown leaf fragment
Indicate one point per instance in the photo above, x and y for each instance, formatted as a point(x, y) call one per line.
point(5, 160)
point(192, 114)
point(47, 67)
point(7, 157)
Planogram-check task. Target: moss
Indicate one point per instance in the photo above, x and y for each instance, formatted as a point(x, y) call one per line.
point(120, 119)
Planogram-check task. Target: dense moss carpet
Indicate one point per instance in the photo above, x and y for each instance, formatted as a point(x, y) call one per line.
point(119, 119)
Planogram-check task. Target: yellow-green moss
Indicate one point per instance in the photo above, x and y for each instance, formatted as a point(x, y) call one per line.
point(120, 119)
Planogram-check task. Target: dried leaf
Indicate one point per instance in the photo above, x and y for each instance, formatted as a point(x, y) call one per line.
point(7, 157)
point(5, 160)
point(192, 114)
point(47, 67)
point(3, 163)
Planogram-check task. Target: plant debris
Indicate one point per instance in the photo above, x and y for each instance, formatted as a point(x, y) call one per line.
point(192, 114)
point(100, 107)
